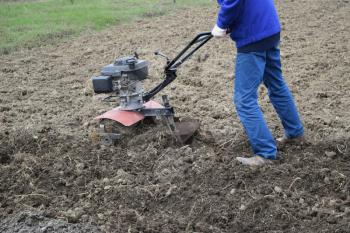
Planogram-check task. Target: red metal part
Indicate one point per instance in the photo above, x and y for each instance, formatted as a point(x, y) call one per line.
point(128, 118)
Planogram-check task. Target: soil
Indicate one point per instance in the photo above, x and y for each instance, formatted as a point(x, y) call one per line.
point(39, 223)
point(51, 169)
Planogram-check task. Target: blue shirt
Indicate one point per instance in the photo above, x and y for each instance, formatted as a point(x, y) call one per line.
point(248, 20)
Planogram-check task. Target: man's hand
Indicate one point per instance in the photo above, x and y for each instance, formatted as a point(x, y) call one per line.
point(218, 32)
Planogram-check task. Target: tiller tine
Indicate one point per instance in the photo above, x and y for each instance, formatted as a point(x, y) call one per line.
point(182, 130)
point(186, 129)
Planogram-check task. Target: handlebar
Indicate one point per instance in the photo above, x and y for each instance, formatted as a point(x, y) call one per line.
point(170, 69)
point(200, 40)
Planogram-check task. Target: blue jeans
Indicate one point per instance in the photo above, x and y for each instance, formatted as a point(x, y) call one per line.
point(251, 70)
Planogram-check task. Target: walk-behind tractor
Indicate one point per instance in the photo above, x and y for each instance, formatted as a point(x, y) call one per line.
point(124, 78)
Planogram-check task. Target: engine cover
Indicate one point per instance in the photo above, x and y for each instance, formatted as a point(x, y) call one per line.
point(134, 68)
point(126, 68)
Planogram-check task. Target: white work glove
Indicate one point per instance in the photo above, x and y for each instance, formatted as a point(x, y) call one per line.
point(218, 32)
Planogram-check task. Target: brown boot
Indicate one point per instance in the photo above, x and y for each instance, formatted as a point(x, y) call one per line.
point(254, 161)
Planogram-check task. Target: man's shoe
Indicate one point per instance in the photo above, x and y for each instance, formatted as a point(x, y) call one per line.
point(254, 161)
point(283, 141)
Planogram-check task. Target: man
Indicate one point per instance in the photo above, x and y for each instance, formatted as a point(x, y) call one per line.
point(255, 28)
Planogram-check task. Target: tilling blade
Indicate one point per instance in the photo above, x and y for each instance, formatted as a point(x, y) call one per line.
point(186, 128)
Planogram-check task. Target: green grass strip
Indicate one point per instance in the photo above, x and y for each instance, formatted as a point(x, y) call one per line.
point(31, 23)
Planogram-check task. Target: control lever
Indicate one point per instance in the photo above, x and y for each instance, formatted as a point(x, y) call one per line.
point(158, 53)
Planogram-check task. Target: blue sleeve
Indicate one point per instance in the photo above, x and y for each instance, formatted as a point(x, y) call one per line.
point(229, 11)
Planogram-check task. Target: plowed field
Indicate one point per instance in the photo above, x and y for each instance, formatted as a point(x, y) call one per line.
point(52, 175)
